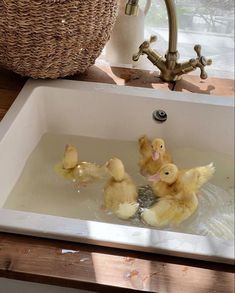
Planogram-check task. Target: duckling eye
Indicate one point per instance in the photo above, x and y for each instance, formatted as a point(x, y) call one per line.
point(161, 146)
point(166, 173)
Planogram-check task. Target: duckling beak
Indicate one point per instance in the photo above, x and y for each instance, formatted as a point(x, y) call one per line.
point(154, 178)
point(155, 155)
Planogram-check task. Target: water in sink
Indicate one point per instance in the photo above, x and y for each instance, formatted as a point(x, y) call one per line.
point(40, 190)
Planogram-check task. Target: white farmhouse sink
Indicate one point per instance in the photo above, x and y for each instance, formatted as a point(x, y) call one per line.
point(104, 121)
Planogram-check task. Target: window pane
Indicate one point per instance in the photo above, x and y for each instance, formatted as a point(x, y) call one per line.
point(206, 22)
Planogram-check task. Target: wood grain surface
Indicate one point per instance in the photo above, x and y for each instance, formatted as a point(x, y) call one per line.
point(104, 269)
point(98, 268)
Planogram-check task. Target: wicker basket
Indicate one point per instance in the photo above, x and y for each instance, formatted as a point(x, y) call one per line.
point(53, 38)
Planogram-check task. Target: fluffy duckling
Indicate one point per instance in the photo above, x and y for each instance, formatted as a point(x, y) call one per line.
point(171, 210)
point(171, 181)
point(120, 192)
point(70, 159)
point(69, 162)
point(81, 172)
point(177, 191)
point(154, 155)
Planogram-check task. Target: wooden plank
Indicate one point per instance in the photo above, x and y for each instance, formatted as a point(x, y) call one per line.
point(7, 98)
point(97, 268)
point(210, 86)
point(2, 113)
point(124, 76)
point(10, 80)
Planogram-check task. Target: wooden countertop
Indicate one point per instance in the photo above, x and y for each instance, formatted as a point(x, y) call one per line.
point(104, 269)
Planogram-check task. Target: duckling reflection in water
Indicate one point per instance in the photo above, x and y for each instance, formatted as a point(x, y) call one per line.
point(82, 173)
point(177, 191)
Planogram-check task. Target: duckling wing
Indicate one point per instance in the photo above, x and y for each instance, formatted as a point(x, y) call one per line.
point(187, 181)
point(205, 173)
point(193, 179)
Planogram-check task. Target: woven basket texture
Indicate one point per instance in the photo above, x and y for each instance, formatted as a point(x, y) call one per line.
point(51, 39)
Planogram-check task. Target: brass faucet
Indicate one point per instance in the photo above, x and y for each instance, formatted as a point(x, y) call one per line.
point(170, 69)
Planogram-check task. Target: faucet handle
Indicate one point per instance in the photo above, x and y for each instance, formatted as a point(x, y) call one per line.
point(202, 61)
point(143, 47)
point(153, 39)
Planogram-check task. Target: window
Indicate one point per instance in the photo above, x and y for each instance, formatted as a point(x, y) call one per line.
point(209, 23)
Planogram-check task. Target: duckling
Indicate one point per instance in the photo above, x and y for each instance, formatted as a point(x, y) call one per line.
point(171, 209)
point(69, 162)
point(120, 192)
point(80, 172)
point(154, 155)
point(171, 181)
point(70, 159)
point(177, 192)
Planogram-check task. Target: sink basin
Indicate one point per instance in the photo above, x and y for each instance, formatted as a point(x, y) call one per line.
point(104, 121)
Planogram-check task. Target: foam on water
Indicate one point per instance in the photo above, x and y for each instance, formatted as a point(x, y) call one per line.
point(40, 190)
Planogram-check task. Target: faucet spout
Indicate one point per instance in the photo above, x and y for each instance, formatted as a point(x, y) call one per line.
point(132, 7)
point(172, 20)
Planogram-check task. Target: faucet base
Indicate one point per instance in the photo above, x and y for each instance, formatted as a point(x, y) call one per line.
point(168, 77)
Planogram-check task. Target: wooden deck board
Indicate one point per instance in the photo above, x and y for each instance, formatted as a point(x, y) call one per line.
point(98, 268)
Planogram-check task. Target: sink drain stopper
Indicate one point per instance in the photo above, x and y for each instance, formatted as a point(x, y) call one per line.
point(159, 116)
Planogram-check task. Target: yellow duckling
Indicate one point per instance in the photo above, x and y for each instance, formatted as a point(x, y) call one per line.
point(177, 191)
point(70, 159)
point(120, 192)
point(154, 155)
point(171, 181)
point(81, 172)
point(69, 162)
